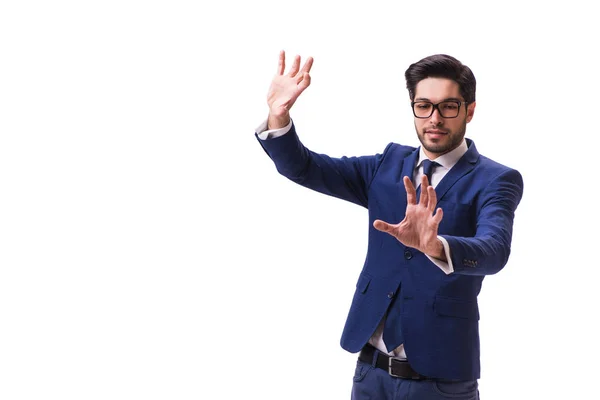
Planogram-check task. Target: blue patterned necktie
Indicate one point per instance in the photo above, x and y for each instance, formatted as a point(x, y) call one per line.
point(392, 330)
point(428, 168)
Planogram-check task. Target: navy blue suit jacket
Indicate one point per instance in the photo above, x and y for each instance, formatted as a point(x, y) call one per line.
point(439, 312)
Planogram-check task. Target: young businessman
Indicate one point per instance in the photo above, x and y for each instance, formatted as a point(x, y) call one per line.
point(441, 220)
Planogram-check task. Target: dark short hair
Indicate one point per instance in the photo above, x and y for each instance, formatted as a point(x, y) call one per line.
point(441, 66)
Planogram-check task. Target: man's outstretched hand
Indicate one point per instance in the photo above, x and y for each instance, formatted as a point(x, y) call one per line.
point(419, 228)
point(285, 89)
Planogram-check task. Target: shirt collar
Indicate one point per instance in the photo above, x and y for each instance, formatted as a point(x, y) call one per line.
point(447, 160)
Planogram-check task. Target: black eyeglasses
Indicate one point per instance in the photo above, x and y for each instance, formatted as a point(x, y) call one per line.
point(447, 109)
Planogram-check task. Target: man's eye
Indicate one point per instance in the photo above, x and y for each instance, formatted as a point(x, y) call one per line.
point(423, 106)
point(449, 106)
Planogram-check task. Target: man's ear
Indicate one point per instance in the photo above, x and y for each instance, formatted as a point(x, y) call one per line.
point(470, 111)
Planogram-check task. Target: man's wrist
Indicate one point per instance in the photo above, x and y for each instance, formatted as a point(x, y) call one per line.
point(278, 121)
point(438, 251)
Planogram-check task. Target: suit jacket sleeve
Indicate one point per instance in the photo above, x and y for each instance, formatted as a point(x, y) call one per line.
point(347, 178)
point(487, 252)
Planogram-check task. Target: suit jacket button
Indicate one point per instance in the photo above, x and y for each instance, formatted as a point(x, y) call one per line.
point(407, 254)
point(390, 295)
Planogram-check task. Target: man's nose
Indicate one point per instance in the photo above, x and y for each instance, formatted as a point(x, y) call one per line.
point(436, 118)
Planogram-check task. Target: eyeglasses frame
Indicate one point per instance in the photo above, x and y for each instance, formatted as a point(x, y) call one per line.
point(436, 107)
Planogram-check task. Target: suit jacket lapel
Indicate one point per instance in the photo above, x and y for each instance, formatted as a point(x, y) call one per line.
point(464, 165)
point(408, 166)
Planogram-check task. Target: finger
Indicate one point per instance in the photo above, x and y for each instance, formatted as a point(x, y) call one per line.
point(305, 82)
point(424, 194)
point(432, 198)
point(383, 226)
point(295, 67)
point(281, 64)
point(307, 65)
point(411, 194)
point(437, 217)
point(299, 77)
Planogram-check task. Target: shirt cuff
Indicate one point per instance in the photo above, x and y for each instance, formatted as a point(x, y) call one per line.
point(264, 134)
point(447, 267)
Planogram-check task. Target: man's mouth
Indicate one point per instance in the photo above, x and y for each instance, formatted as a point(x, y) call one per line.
point(435, 133)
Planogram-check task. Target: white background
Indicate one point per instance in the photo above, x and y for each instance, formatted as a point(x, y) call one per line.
point(149, 249)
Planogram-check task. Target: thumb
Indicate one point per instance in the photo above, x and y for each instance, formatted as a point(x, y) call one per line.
point(382, 226)
point(304, 82)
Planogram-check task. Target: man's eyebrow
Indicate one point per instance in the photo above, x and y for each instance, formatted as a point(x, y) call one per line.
point(446, 99)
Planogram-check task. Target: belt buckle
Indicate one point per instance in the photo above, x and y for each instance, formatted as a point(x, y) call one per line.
point(390, 360)
point(411, 376)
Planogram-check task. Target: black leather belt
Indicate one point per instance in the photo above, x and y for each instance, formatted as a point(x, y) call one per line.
point(396, 368)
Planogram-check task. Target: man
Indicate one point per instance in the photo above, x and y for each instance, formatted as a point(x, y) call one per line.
point(414, 315)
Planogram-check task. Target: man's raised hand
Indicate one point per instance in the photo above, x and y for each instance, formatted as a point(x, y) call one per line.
point(285, 89)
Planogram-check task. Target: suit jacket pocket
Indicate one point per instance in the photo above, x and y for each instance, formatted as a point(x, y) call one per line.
point(363, 283)
point(456, 308)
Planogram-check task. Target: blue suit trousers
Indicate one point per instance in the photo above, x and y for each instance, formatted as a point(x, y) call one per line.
point(372, 383)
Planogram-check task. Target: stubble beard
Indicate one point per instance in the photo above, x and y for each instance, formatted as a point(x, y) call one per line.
point(454, 139)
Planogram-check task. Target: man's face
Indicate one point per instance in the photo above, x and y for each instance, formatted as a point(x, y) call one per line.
point(439, 135)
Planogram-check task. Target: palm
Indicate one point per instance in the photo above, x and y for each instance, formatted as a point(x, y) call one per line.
point(419, 228)
point(285, 89)
point(283, 94)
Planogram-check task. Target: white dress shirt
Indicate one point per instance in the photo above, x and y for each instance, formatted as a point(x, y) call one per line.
point(446, 162)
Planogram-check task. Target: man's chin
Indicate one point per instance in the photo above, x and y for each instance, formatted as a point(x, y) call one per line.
point(437, 146)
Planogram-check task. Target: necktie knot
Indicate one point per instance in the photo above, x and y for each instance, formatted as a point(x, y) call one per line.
point(428, 167)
